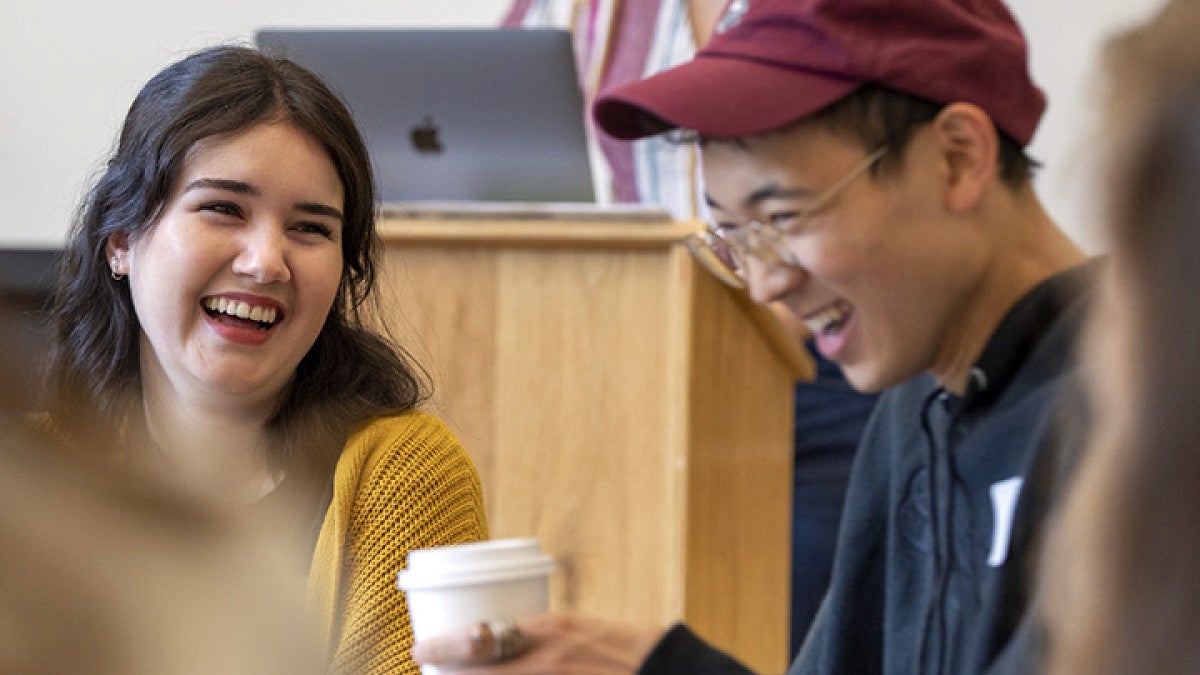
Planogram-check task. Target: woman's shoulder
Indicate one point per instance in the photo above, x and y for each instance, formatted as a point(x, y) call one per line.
point(412, 460)
point(390, 433)
point(415, 420)
point(413, 445)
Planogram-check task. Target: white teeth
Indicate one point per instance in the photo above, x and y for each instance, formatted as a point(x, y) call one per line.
point(827, 318)
point(242, 310)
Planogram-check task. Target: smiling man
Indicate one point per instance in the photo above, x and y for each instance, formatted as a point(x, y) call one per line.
point(864, 162)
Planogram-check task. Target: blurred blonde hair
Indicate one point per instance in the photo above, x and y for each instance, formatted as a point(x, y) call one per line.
point(1121, 588)
point(108, 573)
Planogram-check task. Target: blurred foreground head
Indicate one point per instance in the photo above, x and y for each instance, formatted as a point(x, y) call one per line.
point(1121, 593)
point(108, 573)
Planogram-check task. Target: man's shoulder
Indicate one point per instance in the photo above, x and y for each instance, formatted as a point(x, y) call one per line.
point(1054, 357)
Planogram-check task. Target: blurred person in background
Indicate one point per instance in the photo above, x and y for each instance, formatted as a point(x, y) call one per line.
point(1120, 591)
point(617, 42)
point(210, 316)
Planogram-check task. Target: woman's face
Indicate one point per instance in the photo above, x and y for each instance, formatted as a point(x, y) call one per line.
point(234, 279)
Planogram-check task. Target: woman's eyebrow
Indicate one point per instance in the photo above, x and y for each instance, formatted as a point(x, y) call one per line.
point(317, 209)
point(242, 188)
point(223, 184)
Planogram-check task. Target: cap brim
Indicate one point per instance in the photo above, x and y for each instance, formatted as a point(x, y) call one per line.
point(717, 96)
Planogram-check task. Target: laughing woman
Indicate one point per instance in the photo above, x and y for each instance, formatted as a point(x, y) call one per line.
point(209, 312)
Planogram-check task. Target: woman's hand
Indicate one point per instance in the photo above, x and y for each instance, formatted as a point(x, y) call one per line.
point(550, 643)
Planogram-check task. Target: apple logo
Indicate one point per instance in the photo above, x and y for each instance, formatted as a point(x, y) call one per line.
point(425, 138)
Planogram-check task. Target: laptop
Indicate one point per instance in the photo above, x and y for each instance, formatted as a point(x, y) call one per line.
point(490, 115)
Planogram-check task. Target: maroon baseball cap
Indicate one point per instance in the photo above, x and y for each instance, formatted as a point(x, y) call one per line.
point(772, 62)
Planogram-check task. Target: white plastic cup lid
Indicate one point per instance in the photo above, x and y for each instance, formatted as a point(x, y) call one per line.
point(477, 563)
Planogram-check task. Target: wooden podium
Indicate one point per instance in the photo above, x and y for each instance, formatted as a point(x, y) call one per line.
point(621, 404)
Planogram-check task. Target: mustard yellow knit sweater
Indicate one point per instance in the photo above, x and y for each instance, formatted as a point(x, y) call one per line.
point(402, 483)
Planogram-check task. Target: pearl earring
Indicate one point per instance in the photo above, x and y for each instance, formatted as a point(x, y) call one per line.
point(114, 264)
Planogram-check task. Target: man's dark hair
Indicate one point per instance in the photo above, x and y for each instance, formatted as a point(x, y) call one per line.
point(875, 115)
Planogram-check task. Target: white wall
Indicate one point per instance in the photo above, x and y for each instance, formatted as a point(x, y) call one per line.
point(68, 70)
point(1065, 37)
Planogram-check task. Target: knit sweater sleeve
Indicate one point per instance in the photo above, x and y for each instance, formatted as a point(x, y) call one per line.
point(402, 483)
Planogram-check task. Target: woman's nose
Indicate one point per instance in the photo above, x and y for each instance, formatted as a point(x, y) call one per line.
point(263, 256)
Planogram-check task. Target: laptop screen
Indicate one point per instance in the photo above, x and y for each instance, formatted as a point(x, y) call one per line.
point(457, 115)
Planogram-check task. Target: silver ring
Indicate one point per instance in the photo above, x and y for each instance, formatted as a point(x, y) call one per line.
point(507, 641)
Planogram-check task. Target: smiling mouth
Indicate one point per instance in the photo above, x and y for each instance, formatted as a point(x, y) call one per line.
point(830, 320)
point(241, 313)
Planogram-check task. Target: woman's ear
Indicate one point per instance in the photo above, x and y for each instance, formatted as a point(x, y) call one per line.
point(117, 251)
point(969, 151)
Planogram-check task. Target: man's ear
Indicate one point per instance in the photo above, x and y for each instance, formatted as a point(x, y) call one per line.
point(969, 151)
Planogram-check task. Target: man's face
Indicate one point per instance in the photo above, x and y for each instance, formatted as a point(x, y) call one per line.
point(881, 273)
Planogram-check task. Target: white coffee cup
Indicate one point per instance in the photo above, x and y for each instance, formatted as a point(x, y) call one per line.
point(450, 587)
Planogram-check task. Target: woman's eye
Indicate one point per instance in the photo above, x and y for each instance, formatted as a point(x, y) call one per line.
point(222, 208)
point(314, 228)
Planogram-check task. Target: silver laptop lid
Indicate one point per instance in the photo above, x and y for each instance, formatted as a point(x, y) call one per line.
point(457, 115)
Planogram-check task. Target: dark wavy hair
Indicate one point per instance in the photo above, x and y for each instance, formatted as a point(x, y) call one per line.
point(350, 373)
